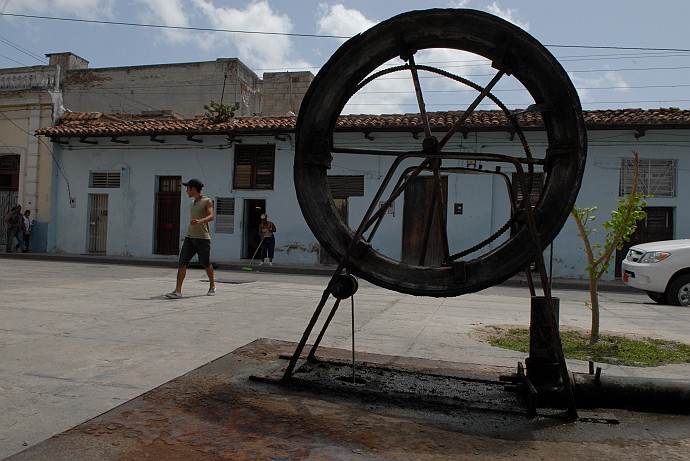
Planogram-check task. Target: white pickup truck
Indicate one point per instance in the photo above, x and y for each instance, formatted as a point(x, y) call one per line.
point(661, 269)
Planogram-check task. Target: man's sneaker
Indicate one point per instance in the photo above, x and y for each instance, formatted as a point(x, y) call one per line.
point(173, 295)
point(211, 291)
point(261, 263)
point(270, 263)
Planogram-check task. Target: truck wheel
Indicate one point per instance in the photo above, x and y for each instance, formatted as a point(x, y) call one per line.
point(657, 297)
point(679, 291)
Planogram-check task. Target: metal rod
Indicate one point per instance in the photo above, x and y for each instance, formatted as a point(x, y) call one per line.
point(470, 109)
point(420, 96)
point(352, 298)
point(441, 207)
point(305, 336)
point(312, 353)
point(531, 222)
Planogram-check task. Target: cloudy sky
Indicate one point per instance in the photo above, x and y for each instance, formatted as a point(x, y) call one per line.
point(618, 53)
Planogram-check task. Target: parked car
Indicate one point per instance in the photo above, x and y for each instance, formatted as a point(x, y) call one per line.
point(661, 269)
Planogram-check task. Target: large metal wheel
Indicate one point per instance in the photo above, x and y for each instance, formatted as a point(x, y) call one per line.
point(512, 52)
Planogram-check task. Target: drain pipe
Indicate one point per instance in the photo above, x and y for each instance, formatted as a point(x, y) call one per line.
point(625, 392)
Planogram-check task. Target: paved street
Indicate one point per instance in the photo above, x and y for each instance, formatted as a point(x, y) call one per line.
point(77, 339)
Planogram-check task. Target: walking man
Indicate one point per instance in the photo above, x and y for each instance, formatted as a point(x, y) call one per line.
point(14, 220)
point(198, 239)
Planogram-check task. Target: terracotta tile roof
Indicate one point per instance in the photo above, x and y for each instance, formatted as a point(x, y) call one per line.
point(96, 124)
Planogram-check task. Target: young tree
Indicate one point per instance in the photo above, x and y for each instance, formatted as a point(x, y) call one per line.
point(619, 228)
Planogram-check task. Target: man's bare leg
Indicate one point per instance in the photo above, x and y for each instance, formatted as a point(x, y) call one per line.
point(181, 274)
point(209, 272)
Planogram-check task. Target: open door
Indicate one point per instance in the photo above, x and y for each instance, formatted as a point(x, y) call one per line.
point(253, 209)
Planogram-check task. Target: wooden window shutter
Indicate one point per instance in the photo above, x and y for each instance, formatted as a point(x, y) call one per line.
point(535, 193)
point(254, 167)
point(346, 186)
point(265, 162)
point(243, 170)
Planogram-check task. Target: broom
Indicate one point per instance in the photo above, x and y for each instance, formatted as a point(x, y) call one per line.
point(249, 268)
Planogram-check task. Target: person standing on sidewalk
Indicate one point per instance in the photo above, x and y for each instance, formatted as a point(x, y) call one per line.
point(198, 239)
point(268, 240)
point(15, 228)
point(28, 225)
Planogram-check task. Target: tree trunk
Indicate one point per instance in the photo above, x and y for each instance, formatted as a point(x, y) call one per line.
point(594, 298)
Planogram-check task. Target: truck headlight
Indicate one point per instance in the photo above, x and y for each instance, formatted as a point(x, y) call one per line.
point(654, 257)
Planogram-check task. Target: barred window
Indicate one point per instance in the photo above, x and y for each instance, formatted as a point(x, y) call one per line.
point(655, 177)
point(225, 215)
point(104, 179)
point(254, 166)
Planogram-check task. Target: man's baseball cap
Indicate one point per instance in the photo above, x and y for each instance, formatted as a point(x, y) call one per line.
point(195, 183)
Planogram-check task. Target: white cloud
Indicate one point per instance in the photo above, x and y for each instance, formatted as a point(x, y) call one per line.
point(459, 4)
point(273, 51)
point(508, 14)
point(587, 86)
point(84, 9)
point(341, 21)
point(169, 13)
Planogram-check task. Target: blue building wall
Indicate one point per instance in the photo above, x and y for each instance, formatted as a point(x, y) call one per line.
point(483, 197)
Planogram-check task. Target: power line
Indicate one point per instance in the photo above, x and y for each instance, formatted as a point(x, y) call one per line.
point(13, 60)
point(23, 50)
point(160, 26)
point(290, 34)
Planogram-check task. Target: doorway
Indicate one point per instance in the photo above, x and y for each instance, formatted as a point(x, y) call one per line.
point(168, 200)
point(253, 208)
point(418, 196)
point(9, 189)
point(98, 223)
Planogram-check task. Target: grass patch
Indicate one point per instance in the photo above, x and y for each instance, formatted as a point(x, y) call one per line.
point(618, 350)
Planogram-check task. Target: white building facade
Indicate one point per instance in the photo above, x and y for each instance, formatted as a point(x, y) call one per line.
point(118, 189)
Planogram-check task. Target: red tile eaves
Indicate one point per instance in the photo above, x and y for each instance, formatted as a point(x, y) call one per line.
point(96, 124)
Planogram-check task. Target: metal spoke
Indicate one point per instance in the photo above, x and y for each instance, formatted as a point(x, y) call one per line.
point(470, 109)
point(420, 96)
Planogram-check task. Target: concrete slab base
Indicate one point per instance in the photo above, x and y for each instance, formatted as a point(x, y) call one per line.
point(217, 412)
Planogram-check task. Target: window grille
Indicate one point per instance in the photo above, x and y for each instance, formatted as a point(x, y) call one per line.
point(655, 177)
point(346, 186)
point(105, 179)
point(254, 167)
point(225, 215)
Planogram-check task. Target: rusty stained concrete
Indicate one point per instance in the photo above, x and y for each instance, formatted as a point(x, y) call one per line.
point(217, 413)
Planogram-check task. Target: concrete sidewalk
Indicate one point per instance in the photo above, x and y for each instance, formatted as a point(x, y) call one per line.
point(80, 337)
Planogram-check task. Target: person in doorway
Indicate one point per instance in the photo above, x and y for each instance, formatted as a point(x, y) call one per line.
point(15, 228)
point(28, 225)
point(268, 240)
point(198, 239)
